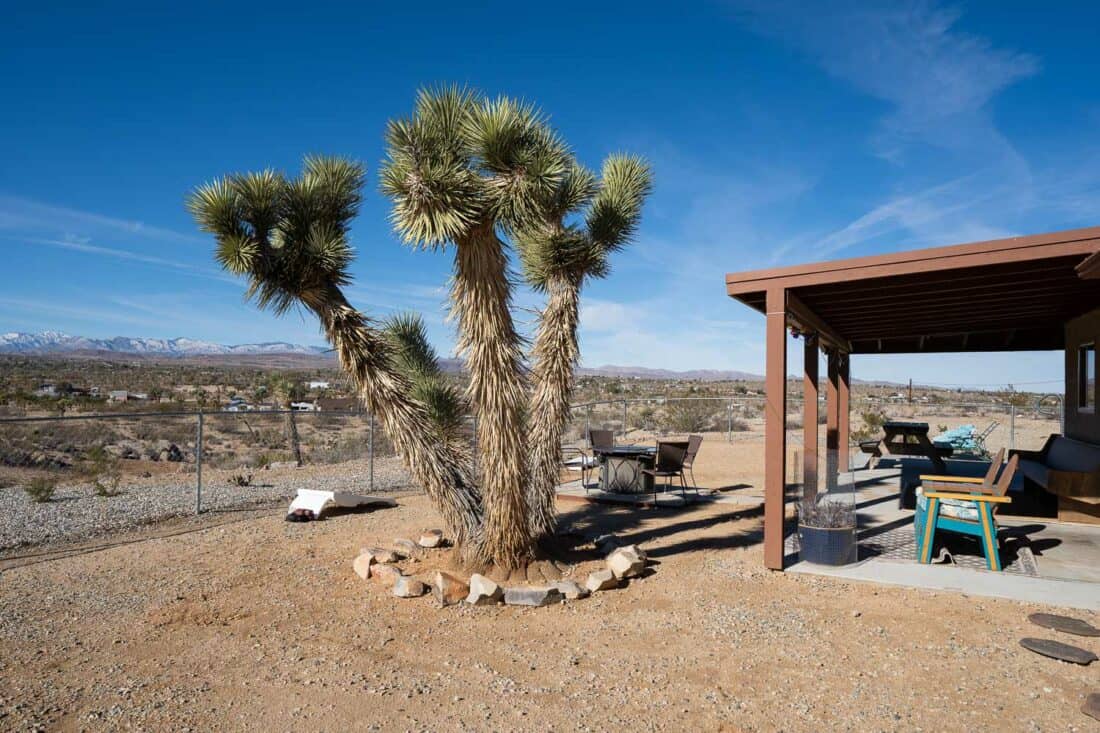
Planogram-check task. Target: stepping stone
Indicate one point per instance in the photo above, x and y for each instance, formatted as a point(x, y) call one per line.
point(1064, 624)
point(1058, 650)
point(1091, 707)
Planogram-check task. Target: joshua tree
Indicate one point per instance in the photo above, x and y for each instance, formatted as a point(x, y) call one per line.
point(474, 175)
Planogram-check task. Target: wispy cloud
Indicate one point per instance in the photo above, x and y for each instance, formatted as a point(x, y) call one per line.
point(17, 213)
point(937, 79)
point(81, 245)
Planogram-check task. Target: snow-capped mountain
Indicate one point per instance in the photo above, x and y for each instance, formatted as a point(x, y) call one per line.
point(52, 342)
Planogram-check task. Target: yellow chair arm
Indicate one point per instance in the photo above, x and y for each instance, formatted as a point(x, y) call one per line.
point(968, 497)
point(953, 479)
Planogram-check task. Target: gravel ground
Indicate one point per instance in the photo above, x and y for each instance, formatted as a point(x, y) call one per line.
point(76, 513)
point(262, 625)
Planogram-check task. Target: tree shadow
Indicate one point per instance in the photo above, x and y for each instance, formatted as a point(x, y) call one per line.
point(631, 525)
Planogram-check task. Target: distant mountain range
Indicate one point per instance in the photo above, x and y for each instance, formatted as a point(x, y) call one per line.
point(54, 342)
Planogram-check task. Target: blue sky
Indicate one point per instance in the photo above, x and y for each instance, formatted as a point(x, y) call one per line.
point(779, 133)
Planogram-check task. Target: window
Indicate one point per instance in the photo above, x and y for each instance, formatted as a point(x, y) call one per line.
point(1086, 377)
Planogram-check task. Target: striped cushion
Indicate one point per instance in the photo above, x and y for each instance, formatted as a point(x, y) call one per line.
point(955, 508)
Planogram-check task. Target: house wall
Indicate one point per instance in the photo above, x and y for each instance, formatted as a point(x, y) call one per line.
point(1080, 424)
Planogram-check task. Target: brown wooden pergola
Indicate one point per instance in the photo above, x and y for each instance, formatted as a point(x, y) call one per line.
point(1003, 295)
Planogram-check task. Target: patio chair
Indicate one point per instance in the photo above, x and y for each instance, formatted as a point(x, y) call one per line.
point(576, 459)
point(967, 506)
point(694, 441)
point(601, 439)
point(669, 463)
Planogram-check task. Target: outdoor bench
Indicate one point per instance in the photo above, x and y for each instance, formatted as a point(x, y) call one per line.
point(1068, 472)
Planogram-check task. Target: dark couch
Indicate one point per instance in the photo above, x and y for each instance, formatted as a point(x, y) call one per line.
point(1062, 477)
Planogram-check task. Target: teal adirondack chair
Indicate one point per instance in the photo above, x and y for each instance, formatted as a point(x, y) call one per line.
point(963, 505)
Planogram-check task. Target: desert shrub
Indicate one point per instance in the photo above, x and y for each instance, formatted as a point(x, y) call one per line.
point(41, 489)
point(241, 479)
point(825, 514)
point(690, 416)
point(873, 420)
point(738, 425)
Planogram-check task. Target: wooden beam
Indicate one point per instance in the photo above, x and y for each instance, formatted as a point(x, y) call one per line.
point(810, 390)
point(844, 399)
point(1089, 269)
point(832, 417)
point(775, 428)
point(809, 322)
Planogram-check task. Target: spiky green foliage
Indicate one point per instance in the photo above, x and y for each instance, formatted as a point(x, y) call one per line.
point(462, 161)
point(287, 236)
point(417, 360)
point(611, 209)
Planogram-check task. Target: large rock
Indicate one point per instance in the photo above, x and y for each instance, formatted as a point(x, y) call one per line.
point(385, 574)
point(601, 580)
point(449, 589)
point(537, 597)
point(484, 591)
point(362, 565)
point(380, 554)
point(407, 548)
point(431, 538)
point(406, 587)
point(571, 590)
point(625, 562)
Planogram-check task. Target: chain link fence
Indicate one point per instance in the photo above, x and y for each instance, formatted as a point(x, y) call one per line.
point(75, 476)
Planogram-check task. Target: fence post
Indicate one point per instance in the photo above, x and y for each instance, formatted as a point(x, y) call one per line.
point(1012, 427)
point(370, 451)
point(587, 421)
point(729, 422)
point(624, 418)
point(198, 466)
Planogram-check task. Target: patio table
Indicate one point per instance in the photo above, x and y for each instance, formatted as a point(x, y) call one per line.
point(897, 442)
point(621, 468)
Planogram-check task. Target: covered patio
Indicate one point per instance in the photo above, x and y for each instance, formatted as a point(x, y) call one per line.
point(1029, 293)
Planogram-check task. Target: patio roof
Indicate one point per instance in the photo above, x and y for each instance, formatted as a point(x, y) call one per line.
point(1001, 295)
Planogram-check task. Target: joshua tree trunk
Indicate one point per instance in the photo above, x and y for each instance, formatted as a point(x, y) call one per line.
point(555, 356)
point(481, 296)
point(436, 464)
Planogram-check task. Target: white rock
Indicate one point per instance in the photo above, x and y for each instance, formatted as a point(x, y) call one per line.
point(431, 538)
point(601, 580)
point(537, 597)
point(407, 587)
point(362, 564)
point(625, 563)
point(571, 590)
point(484, 591)
point(380, 554)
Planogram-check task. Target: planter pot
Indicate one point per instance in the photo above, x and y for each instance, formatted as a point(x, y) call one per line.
point(827, 546)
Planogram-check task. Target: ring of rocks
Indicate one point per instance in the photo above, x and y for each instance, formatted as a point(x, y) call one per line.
point(383, 566)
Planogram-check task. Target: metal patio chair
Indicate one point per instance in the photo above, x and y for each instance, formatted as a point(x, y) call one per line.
point(694, 441)
point(669, 463)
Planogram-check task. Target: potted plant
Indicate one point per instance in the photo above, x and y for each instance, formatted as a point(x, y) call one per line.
point(826, 531)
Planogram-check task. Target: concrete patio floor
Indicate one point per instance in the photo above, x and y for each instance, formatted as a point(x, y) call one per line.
point(1045, 561)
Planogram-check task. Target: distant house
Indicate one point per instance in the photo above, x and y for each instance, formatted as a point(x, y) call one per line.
point(118, 395)
point(317, 384)
point(337, 404)
point(46, 390)
point(303, 406)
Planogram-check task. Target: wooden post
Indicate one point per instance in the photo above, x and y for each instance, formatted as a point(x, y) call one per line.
point(832, 419)
point(844, 393)
point(775, 428)
point(809, 416)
